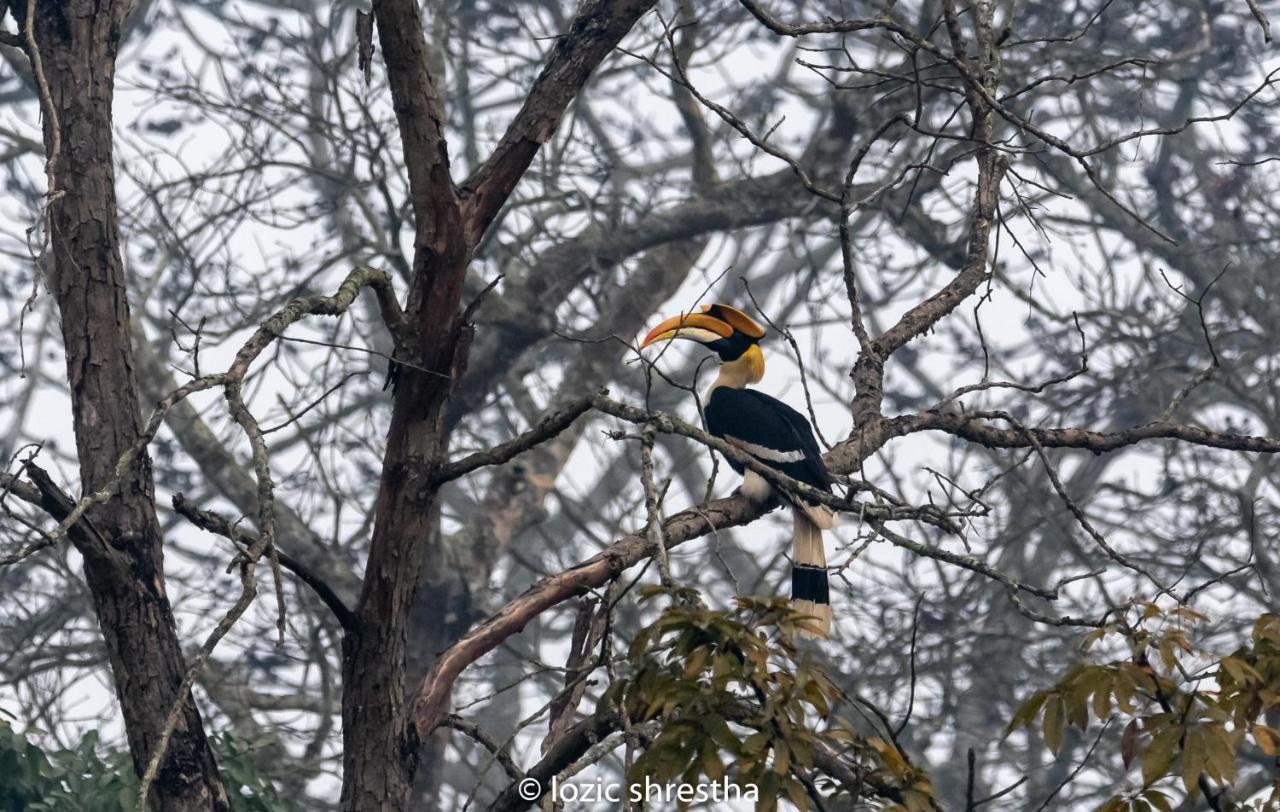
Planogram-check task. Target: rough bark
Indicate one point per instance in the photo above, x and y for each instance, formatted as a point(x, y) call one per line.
point(443, 609)
point(381, 750)
point(77, 42)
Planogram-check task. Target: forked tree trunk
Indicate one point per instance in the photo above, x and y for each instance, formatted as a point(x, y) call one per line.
point(381, 747)
point(77, 42)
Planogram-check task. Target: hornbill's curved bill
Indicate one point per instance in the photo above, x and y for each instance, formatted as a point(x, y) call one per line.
point(767, 429)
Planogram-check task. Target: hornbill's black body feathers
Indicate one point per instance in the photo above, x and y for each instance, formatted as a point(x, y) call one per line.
point(777, 434)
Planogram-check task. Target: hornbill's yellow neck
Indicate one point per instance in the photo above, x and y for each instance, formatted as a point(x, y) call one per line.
point(748, 368)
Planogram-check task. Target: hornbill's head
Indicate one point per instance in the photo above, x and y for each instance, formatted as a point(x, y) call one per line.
point(727, 331)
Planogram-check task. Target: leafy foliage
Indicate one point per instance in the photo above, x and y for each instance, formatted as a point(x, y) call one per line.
point(86, 779)
point(1191, 715)
point(740, 703)
point(32, 780)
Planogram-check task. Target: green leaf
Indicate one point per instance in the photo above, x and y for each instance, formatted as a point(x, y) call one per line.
point(768, 788)
point(796, 794)
point(1077, 701)
point(1092, 637)
point(1158, 800)
point(1159, 755)
point(1124, 691)
point(755, 743)
point(781, 757)
point(1239, 670)
point(917, 801)
point(1221, 754)
point(710, 762)
point(693, 666)
point(1193, 760)
point(1026, 714)
point(1054, 711)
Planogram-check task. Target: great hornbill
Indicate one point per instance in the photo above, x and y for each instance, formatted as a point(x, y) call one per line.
point(769, 430)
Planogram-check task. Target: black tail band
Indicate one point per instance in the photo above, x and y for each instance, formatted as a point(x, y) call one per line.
point(809, 584)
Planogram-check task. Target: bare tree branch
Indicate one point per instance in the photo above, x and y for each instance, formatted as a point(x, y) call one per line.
point(597, 28)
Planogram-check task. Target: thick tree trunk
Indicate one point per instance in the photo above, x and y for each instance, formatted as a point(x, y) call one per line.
point(380, 751)
point(441, 613)
point(380, 746)
point(77, 43)
point(381, 743)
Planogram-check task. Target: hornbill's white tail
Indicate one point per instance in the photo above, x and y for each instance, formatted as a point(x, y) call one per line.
point(810, 594)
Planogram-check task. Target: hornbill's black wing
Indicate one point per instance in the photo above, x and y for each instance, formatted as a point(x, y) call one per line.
point(769, 430)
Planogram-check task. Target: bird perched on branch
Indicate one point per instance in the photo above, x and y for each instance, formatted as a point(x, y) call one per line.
point(768, 430)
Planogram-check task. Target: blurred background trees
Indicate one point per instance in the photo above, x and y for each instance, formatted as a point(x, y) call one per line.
point(1128, 282)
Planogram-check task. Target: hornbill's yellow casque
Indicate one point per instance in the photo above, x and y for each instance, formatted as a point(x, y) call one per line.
point(767, 429)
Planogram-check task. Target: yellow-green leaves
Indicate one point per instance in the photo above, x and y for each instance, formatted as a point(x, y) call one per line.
point(1084, 690)
point(1146, 800)
point(1159, 755)
point(739, 703)
point(1189, 712)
